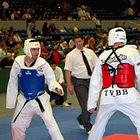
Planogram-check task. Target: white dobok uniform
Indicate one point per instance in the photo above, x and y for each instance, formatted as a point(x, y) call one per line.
point(32, 98)
point(116, 79)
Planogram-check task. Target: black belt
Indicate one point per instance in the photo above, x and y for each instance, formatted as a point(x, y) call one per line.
point(40, 104)
point(40, 94)
point(38, 101)
point(80, 78)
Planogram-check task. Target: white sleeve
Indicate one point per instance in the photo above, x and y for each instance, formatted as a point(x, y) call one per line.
point(12, 88)
point(61, 76)
point(136, 59)
point(95, 87)
point(68, 63)
point(50, 78)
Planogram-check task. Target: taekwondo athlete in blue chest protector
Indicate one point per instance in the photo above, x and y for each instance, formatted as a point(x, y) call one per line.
point(27, 77)
point(117, 77)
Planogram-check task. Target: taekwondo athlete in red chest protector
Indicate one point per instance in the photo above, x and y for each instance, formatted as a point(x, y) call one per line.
point(117, 77)
point(29, 74)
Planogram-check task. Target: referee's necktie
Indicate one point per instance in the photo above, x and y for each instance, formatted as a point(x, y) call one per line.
point(86, 63)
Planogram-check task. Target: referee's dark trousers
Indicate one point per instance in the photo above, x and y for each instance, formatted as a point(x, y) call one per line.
point(81, 87)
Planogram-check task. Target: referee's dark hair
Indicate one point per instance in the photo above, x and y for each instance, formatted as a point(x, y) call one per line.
point(77, 36)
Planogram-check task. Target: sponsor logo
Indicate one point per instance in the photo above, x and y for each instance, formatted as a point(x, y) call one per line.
point(28, 73)
point(115, 93)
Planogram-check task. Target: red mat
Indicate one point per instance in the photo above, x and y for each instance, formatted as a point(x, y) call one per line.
point(121, 137)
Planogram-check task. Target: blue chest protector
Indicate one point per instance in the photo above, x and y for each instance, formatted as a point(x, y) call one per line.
point(31, 84)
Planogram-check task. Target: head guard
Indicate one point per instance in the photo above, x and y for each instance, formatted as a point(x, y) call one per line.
point(31, 43)
point(117, 35)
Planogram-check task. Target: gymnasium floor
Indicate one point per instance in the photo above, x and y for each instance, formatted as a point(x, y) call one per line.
point(118, 128)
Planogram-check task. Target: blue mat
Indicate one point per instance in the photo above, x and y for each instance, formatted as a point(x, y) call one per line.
point(66, 118)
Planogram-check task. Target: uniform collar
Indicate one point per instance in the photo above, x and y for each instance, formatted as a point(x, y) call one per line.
point(78, 50)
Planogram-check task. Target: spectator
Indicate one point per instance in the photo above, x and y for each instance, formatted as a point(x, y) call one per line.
point(91, 44)
point(15, 15)
point(18, 49)
point(17, 38)
point(7, 61)
point(30, 26)
point(82, 13)
point(59, 100)
point(88, 16)
point(5, 6)
point(65, 10)
point(43, 47)
point(71, 44)
point(26, 15)
point(3, 51)
point(129, 13)
point(45, 29)
point(52, 28)
point(54, 54)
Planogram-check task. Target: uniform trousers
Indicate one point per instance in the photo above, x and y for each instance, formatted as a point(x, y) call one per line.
point(30, 109)
point(132, 110)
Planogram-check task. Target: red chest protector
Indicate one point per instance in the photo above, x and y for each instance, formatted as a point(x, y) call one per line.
point(123, 76)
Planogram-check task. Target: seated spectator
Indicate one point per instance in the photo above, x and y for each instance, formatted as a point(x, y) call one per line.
point(59, 100)
point(43, 47)
point(129, 13)
point(30, 26)
point(54, 54)
point(91, 44)
point(100, 33)
point(88, 16)
point(75, 29)
point(26, 14)
point(6, 35)
point(63, 30)
point(101, 45)
point(65, 10)
point(52, 28)
point(18, 49)
point(96, 20)
point(17, 38)
point(86, 39)
point(71, 44)
point(7, 61)
point(3, 51)
point(45, 29)
point(44, 55)
point(5, 9)
point(63, 43)
point(15, 15)
point(82, 13)
point(64, 48)
point(15, 53)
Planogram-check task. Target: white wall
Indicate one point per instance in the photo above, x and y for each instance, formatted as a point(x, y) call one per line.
point(21, 25)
